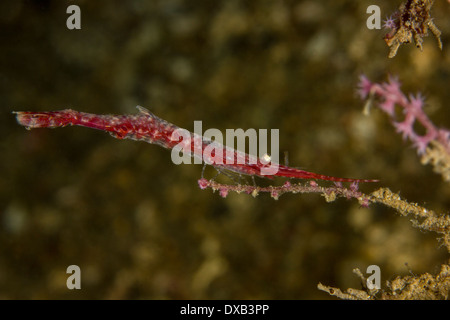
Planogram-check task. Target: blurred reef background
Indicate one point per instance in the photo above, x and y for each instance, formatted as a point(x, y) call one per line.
point(137, 225)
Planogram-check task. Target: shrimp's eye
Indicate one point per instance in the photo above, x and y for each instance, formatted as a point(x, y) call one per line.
point(266, 158)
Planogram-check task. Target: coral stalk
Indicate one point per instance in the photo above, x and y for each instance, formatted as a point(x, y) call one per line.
point(434, 145)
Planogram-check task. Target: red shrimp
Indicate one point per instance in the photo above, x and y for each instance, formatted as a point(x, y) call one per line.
point(147, 127)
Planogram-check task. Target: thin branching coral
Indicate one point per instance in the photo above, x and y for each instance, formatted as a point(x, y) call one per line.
point(434, 148)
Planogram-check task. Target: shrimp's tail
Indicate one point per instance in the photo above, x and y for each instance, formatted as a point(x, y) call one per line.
point(48, 119)
point(67, 117)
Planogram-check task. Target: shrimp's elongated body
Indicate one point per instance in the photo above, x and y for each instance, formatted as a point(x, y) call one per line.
point(145, 126)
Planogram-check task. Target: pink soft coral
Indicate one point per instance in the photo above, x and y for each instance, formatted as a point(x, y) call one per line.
point(390, 95)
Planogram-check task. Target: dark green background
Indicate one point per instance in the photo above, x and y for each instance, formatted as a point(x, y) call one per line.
point(138, 225)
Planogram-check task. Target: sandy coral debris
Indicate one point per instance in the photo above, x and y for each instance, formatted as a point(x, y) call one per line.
point(411, 22)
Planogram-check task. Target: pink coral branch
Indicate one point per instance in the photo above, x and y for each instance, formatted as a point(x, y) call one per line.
point(390, 95)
